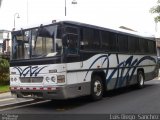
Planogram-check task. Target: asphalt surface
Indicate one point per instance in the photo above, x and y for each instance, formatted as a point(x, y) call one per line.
point(122, 101)
point(128, 101)
point(7, 100)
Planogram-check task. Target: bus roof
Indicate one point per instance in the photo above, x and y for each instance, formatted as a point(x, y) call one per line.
point(115, 30)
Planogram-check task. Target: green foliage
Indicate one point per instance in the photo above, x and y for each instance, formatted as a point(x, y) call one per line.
point(156, 10)
point(4, 71)
point(158, 1)
point(157, 19)
point(4, 88)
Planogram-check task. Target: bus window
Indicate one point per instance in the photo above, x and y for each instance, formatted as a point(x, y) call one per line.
point(43, 46)
point(21, 45)
point(105, 41)
point(45, 41)
point(133, 44)
point(122, 43)
point(72, 44)
point(42, 42)
point(151, 47)
point(86, 38)
point(108, 41)
point(96, 40)
point(90, 39)
point(144, 43)
point(71, 39)
point(71, 29)
point(58, 40)
point(113, 42)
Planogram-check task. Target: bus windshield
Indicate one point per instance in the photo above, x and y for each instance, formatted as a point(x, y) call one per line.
point(37, 42)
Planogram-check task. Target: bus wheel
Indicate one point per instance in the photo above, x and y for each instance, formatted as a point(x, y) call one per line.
point(97, 88)
point(140, 79)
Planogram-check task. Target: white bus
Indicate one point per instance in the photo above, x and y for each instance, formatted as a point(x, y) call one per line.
point(69, 59)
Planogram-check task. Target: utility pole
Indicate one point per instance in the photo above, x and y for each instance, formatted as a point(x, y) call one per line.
point(65, 7)
point(27, 11)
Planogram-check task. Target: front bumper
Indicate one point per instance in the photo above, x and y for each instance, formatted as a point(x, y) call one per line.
point(39, 92)
point(52, 92)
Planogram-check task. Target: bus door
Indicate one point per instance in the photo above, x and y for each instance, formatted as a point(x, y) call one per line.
point(72, 44)
point(71, 54)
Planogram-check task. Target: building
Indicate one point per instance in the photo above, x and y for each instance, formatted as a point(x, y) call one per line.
point(5, 42)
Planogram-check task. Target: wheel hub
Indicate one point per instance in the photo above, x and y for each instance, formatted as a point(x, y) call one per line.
point(141, 80)
point(97, 88)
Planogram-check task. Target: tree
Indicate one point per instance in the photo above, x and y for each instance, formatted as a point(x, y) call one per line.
point(156, 10)
point(4, 71)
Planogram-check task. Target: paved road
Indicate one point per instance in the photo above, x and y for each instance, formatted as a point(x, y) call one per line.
point(6, 99)
point(129, 100)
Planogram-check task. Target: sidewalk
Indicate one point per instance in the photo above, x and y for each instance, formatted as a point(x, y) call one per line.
point(5, 95)
point(7, 100)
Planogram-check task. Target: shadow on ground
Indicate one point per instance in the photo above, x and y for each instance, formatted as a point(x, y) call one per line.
point(63, 105)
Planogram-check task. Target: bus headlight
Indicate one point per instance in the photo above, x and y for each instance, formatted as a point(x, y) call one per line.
point(11, 79)
point(15, 79)
point(53, 79)
point(47, 79)
point(60, 79)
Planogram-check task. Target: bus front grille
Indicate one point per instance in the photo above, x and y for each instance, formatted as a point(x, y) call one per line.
point(31, 79)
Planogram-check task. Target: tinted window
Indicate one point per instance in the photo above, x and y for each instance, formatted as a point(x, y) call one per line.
point(143, 45)
point(105, 40)
point(133, 44)
point(90, 39)
point(72, 43)
point(96, 39)
point(123, 43)
point(69, 29)
point(151, 47)
point(109, 41)
point(71, 39)
point(113, 41)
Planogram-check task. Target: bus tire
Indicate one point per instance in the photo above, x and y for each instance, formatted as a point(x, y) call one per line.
point(140, 79)
point(97, 88)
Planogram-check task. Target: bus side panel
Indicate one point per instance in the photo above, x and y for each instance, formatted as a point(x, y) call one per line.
point(120, 70)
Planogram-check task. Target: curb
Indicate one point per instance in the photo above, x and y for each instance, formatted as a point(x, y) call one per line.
point(4, 106)
point(4, 92)
point(5, 95)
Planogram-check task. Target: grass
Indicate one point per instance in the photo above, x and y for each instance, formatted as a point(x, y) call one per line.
point(4, 88)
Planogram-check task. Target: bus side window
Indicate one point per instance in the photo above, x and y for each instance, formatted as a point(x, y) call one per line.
point(122, 43)
point(144, 43)
point(90, 39)
point(105, 40)
point(72, 43)
point(133, 45)
point(151, 47)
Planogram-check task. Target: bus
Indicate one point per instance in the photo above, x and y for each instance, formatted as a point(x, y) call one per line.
point(68, 59)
